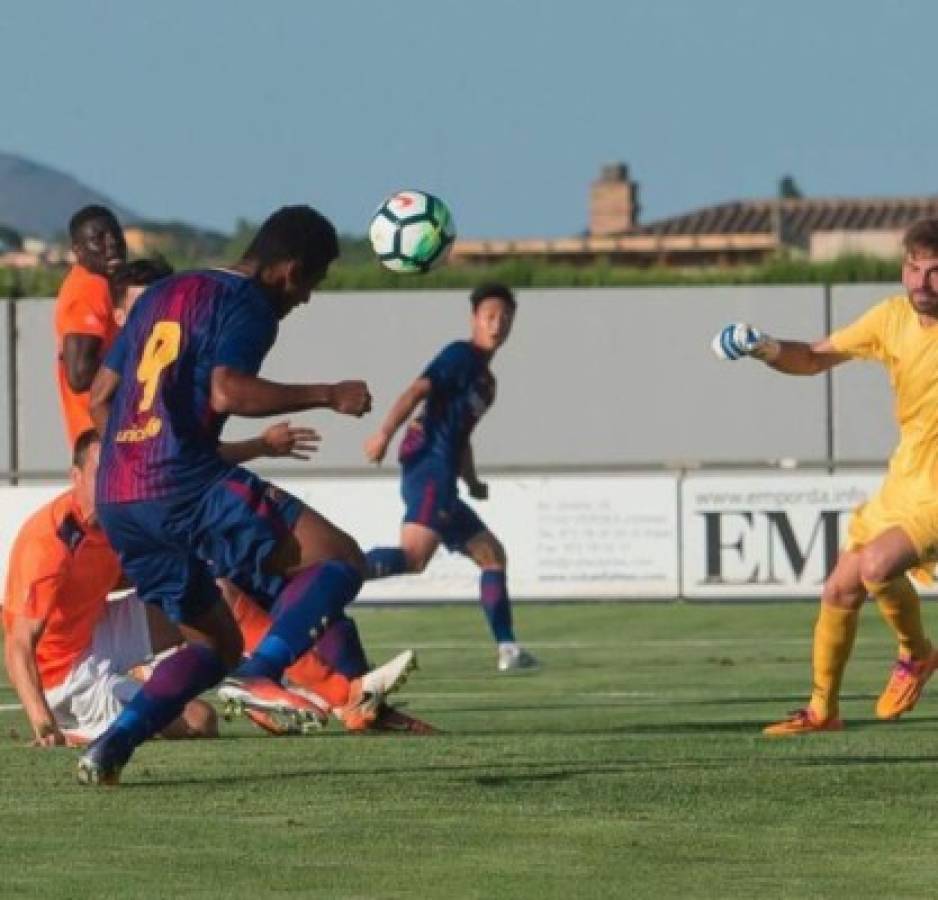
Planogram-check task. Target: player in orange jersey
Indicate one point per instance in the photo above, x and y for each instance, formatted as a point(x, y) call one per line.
point(68, 649)
point(84, 316)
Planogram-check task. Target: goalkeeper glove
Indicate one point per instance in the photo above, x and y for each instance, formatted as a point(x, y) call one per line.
point(740, 339)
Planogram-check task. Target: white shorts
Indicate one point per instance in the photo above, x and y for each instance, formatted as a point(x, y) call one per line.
point(98, 687)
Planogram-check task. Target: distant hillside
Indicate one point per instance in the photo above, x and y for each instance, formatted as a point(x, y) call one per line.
point(38, 201)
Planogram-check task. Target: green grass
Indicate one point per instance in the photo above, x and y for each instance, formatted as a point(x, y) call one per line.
point(631, 766)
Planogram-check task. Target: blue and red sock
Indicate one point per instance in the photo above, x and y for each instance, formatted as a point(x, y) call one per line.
point(493, 594)
point(305, 607)
point(341, 648)
point(181, 677)
point(383, 562)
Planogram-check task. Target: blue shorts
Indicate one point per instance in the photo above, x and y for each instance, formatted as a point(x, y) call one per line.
point(431, 499)
point(172, 550)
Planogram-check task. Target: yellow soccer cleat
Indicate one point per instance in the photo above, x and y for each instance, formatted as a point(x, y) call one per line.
point(906, 683)
point(802, 721)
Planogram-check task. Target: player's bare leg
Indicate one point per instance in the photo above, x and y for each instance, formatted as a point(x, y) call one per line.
point(419, 544)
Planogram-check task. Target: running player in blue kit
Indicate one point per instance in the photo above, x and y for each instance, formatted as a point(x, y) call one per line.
point(456, 389)
point(177, 513)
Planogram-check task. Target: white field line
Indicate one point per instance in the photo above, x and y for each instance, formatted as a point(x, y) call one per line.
point(607, 645)
point(514, 697)
point(499, 696)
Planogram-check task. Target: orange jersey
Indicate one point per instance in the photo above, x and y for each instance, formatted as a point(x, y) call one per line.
point(60, 571)
point(83, 307)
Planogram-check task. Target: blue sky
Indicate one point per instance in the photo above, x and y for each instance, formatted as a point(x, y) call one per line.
point(208, 111)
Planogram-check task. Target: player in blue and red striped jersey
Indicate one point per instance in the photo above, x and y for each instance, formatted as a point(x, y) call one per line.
point(456, 389)
point(177, 513)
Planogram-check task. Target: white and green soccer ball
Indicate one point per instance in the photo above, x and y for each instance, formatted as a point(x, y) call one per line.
point(412, 231)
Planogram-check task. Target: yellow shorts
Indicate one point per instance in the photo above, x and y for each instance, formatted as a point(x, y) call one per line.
point(889, 509)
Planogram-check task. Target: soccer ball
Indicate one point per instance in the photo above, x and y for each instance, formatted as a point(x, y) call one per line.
point(412, 231)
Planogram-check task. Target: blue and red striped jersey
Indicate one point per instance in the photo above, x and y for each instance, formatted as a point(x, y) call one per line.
point(463, 388)
point(162, 433)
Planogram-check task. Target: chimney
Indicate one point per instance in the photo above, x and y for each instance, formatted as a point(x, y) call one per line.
point(613, 201)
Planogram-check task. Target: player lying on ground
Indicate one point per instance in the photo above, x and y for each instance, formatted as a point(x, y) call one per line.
point(68, 649)
point(896, 531)
point(456, 389)
point(179, 516)
point(333, 677)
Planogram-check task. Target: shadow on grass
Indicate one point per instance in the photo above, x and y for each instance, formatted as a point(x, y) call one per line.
point(485, 774)
point(638, 702)
point(500, 775)
point(751, 726)
point(505, 774)
point(782, 699)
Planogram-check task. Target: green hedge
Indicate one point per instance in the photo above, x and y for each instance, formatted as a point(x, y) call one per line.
point(521, 273)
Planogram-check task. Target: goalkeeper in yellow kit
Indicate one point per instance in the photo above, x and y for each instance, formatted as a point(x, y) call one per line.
point(896, 531)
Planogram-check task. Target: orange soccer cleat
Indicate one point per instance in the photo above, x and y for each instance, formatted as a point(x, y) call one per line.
point(906, 683)
point(802, 721)
point(366, 694)
point(271, 706)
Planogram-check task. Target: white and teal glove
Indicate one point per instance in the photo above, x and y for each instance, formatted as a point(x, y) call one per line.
point(739, 339)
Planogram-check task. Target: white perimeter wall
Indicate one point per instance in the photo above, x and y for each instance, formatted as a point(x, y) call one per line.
point(659, 536)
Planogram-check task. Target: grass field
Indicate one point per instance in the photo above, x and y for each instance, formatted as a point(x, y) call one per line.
point(631, 766)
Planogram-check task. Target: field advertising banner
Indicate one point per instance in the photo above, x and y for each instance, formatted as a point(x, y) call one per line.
point(569, 537)
point(766, 535)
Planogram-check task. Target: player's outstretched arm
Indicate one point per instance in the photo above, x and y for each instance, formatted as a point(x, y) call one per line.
point(237, 393)
point(20, 658)
point(276, 441)
point(377, 445)
point(478, 490)
point(735, 341)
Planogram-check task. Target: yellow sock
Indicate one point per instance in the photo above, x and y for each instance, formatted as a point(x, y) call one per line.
point(901, 607)
point(834, 634)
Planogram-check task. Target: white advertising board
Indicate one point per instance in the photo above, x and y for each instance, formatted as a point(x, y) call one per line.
point(765, 535)
point(582, 537)
point(570, 537)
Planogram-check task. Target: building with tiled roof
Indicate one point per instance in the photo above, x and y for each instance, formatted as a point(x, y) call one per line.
point(737, 232)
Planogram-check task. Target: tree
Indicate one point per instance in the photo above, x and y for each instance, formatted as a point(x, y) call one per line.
point(9, 239)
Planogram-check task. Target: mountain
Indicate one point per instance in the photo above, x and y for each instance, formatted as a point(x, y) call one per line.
point(38, 201)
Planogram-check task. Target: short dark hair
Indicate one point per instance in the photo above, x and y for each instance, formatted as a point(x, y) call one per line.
point(493, 289)
point(922, 235)
point(295, 233)
point(139, 273)
point(83, 443)
point(87, 214)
